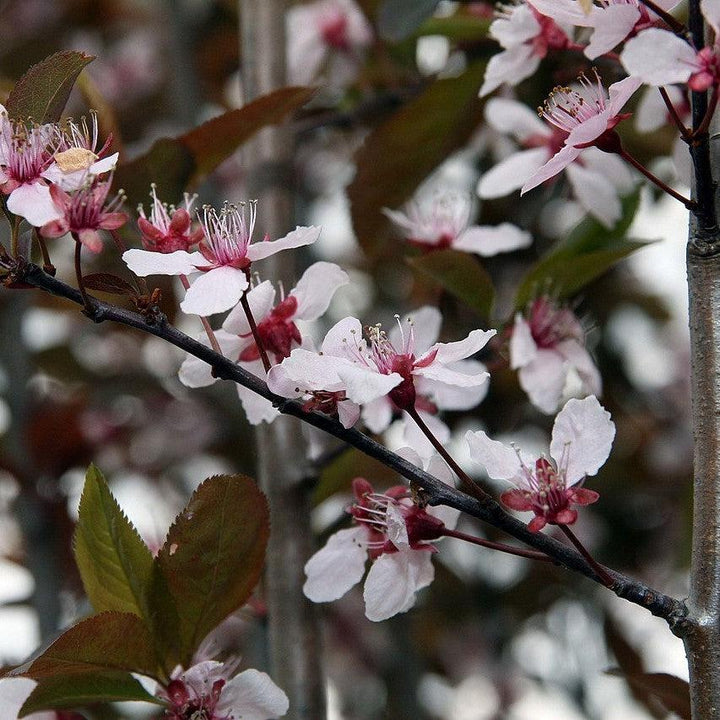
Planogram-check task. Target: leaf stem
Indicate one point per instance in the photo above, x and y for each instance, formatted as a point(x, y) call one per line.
point(48, 267)
point(502, 547)
point(599, 569)
point(79, 275)
point(685, 131)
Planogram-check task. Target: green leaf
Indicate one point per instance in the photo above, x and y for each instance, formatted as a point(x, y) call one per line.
point(588, 251)
point(213, 555)
point(403, 150)
point(42, 92)
point(72, 691)
point(460, 274)
point(176, 164)
point(106, 642)
point(398, 19)
point(114, 562)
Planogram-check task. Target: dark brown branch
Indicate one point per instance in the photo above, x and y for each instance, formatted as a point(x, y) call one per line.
point(435, 491)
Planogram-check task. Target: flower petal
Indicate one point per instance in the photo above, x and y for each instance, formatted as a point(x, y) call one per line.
point(523, 348)
point(596, 194)
point(510, 66)
point(543, 379)
point(337, 567)
point(556, 164)
point(261, 300)
point(316, 288)
point(452, 352)
point(582, 437)
point(297, 238)
point(488, 241)
point(658, 57)
point(33, 202)
point(195, 372)
point(512, 173)
point(500, 461)
point(214, 291)
point(613, 24)
point(425, 323)
point(515, 118)
point(252, 695)
point(144, 262)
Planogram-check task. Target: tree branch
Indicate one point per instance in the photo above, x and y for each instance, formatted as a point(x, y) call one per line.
point(435, 491)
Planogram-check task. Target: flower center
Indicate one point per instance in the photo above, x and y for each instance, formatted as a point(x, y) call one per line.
point(277, 332)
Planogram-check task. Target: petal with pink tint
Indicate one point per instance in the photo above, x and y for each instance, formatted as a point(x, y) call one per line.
point(514, 118)
point(453, 397)
point(377, 414)
point(297, 238)
point(214, 291)
point(612, 25)
point(488, 241)
point(91, 240)
point(500, 461)
point(33, 202)
point(195, 372)
point(658, 57)
point(316, 288)
point(425, 323)
point(336, 567)
point(543, 379)
point(511, 173)
point(252, 695)
point(711, 12)
point(257, 409)
point(510, 66)
point(567, 11)
point(596, 194)
point(581, 360)
point(582, 436)
point(452, 352)
point(523, 348)
point(144, 262)
point(260, 300)
point(552, 167)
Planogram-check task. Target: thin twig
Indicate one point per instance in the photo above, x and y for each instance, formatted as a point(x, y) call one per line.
point(502, 547)
point(599, 569)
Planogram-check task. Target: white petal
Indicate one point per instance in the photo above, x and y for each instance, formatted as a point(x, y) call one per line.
point(316, 288)
point(453, 397)
point(596, 194)
point(305, 370)
point(510, 66)
point(144, 262)
point(461, 349)
point(488, 241)
point(658, 57)
point(252, 695)
point(611, 167)
point(215, 291)
point(33, 202)
point(257, 408)
point(523, 348)
point(620, 92)
point(582, 437)
point(195, 372)
point(14, 691)
point(396, 527)
point(344, 338)
point(556, 164)
point(337, 567)
point(416, 439)
point(348, 413)
point(297, 238)
point(377, 414)
point(261, 300)
point(567, 11)
point(514, 118)
point(612, 25)
point(543, 379)
point(711, 12)
point(580, 359)
point(512, 173)
point(500, 461)
point(393, 580)
point(363, 384)
point(446, 376)
point(518, 28)
point(425, 322)
point(438, 468)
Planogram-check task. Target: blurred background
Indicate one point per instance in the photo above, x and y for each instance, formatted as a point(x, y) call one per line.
point(493, 637)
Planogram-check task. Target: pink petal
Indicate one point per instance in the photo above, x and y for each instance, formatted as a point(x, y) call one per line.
point(297, 238)
point(363, 384)
point(144, 262)
point(510, 66)
point(596, 194)
point(337, 567)
point(488, 241)
point(112, 221)
point(620, 92)
point(215, 291)
point(343, 338)
point(583, 496)
point(452, 352)
point(316, 288)
point(589, 130)
point(552, 167)
point(543, 379)
point(91, 240)
point(445, 375)
point(257, 409)
point(500, 461)
point(522, 346)
point(393, 581)
point(33, 202)
point(512, 173)
point(519, 28)
point(582, 437)
point(425, 323)
point(348, 413)
point(454, 397)
point(252, 695)
point(196, 373)
point(515, 118)
point(516, 500)
point(377, 414)
point(580, 359)
point(612, 25)
point(567, 11)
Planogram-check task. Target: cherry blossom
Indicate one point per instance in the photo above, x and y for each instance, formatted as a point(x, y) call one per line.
point(26, 151)
point(660, 57)
point(582, 437)
point(277, 328)
point(546, 347)
point(168, 228)
point(223, 258)
point(206, 691)
point(395, 534)
point(525, 36)
point(84, 212)
point(443, 223)
point(75, 160)
point(588, 115)
point(612, 21)
point(326, 37)
point(596, 178)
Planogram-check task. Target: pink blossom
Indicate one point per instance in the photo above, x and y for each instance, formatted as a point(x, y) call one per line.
point(206, 691)
point(612, 21)
point(169, 228)
point(546, 348)
point(588, 116)
point(277, 326)
point(582, 437)
point(525, 36)
point(223, 258)
point(659, 57)
point(85, 212)
point(596, 178)
point(395, 534)
point(75, 160)
point(443, 223)
point(25, 152)
point(326, 37)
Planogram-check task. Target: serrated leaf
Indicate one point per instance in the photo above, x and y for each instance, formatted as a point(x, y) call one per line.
point(213, 555)
point(588, 252)
point(109, 283)
point(398, 19)
point(108, 641)
point(460, 274)
point(214, 141)
point(403, 150)
point(77, 690)
point(42, 92)
point(114, 562)
point(177, 164)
